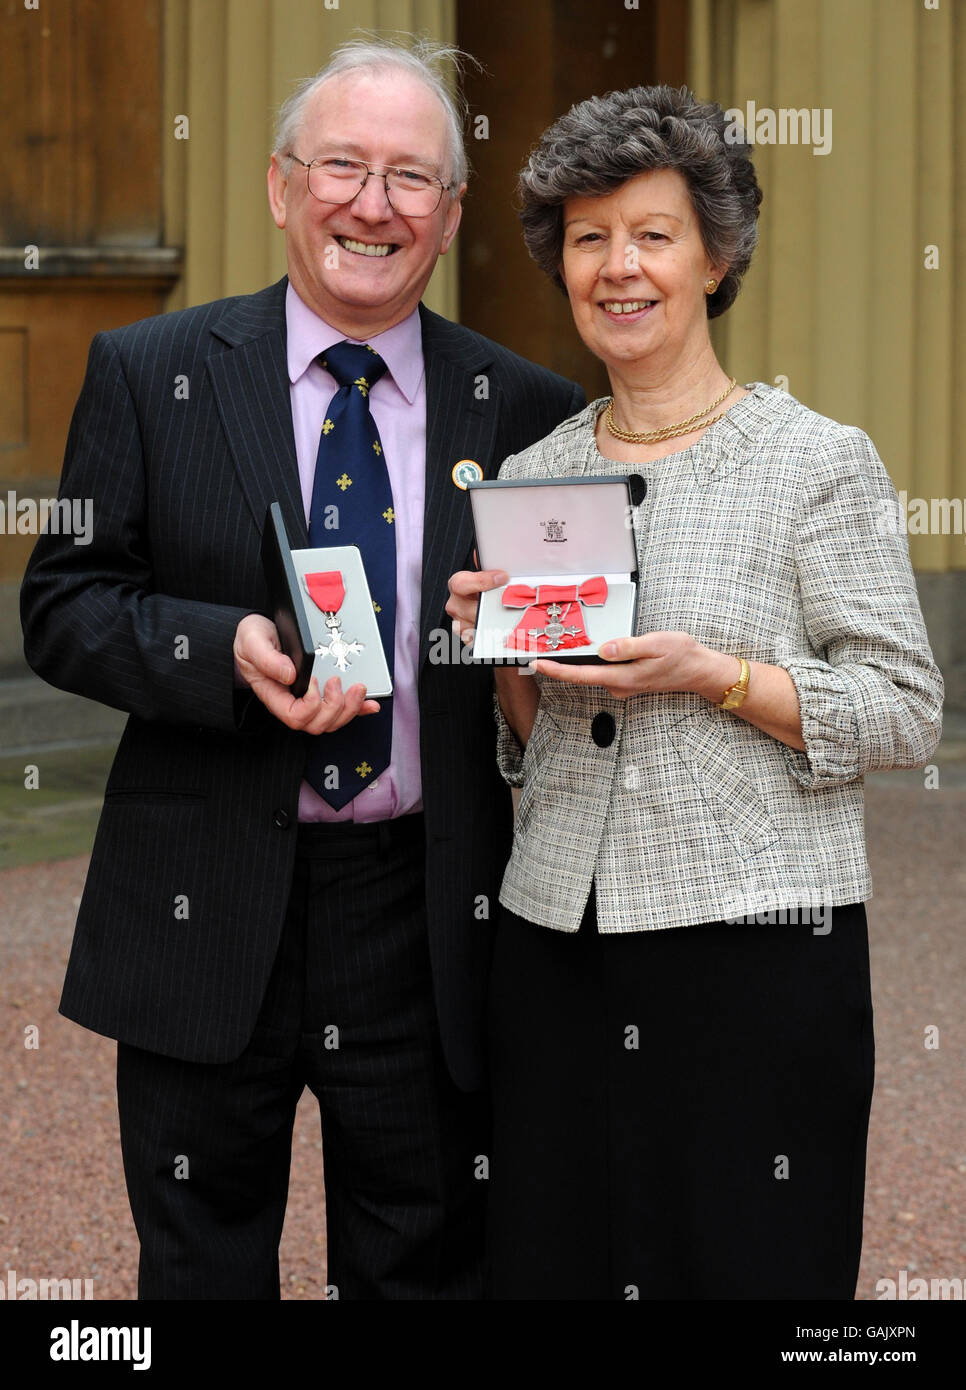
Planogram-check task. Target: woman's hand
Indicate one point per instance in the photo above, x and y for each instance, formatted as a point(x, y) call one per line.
point(518, 698)
point(675, 661)
point(657, 661)
point(464, 589)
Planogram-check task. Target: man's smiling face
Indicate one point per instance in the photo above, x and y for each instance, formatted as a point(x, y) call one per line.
point(362, 266)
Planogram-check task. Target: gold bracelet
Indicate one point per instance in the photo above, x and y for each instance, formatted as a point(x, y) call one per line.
point(735, 694)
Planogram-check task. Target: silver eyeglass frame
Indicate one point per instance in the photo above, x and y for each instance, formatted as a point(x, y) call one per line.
point(370, 173)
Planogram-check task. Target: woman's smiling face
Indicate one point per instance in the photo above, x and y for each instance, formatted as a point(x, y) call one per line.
point(635, 268)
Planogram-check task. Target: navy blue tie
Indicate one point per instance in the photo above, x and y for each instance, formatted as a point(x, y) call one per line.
point(352, 505)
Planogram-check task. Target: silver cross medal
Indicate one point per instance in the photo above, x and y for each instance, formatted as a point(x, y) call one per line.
point(337, 647)
point(555, 630)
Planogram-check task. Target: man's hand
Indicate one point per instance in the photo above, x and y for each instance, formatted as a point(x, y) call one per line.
point(464, 586)
point(268, 671)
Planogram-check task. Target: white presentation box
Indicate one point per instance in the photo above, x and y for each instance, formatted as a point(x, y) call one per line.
point(348, 645)
point(555, 534)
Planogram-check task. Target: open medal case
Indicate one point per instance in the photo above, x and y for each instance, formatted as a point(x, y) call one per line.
point(322, 608)
point(568, 546)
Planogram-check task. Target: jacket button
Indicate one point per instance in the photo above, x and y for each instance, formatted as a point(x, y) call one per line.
point(602, 730)
point(282, 819)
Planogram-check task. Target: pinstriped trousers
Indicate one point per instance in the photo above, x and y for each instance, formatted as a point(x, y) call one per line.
point(349, 1013)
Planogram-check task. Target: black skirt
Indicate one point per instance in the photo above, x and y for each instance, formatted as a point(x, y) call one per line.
point(679, 1114)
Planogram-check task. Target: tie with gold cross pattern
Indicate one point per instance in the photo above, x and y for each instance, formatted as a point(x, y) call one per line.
point(352, 505)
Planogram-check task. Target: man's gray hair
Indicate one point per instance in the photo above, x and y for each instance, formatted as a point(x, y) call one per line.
point(604, 141)
point(424, 59)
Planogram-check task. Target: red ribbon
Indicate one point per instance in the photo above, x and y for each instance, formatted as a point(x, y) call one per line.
point(327, 590)
point(592, 592)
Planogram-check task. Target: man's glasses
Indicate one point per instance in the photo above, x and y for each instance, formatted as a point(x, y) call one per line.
point(337, 180)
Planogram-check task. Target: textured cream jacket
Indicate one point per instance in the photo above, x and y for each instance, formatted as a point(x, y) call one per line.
point(773, 538)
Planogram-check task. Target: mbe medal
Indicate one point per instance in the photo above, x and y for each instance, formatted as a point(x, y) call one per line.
point(319, 599)
point(327, 592)
point(554, 632)
point(570, 556)
point(544, 604)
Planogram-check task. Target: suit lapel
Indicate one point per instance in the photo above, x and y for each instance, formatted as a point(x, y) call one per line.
point(251, 389)
point(458, 426)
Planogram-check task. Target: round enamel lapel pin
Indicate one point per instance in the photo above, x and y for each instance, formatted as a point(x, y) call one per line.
point(467, 471)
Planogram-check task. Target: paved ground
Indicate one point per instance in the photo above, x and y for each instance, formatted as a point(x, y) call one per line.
point(63, 1211)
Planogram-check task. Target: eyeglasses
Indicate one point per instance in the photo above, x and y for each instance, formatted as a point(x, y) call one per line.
point(337, 180)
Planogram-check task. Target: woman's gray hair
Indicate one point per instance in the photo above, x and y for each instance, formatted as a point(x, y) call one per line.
point(604, 141)
point(424, 59)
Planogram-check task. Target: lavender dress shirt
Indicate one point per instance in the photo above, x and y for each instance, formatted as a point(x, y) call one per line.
point(398, 403)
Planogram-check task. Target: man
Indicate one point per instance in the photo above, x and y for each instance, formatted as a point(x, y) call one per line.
point(267, 907)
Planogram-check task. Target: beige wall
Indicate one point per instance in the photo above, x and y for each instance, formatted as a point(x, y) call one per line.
point(838, 299)
point(228, 65)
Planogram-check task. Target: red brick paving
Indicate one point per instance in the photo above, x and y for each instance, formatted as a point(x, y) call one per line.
point(63, 1208)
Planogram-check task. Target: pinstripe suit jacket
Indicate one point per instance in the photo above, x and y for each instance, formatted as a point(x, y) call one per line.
point(202, 798)
point(772, 538)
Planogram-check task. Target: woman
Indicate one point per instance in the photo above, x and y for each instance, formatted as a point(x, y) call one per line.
point(682, 1053)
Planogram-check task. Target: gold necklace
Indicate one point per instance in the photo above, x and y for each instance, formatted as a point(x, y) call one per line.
point(667, 431)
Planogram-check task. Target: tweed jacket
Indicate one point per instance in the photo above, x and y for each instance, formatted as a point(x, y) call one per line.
point(773, 538)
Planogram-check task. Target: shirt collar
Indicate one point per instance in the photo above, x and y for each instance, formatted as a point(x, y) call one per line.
point(308, 336)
